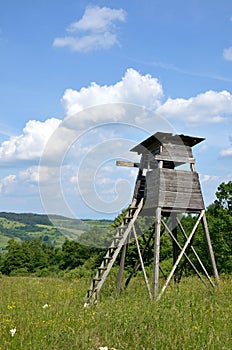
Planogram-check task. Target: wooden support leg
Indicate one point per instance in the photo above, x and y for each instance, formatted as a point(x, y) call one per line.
point(210, 248)
point(155, 284)
point(121, 267)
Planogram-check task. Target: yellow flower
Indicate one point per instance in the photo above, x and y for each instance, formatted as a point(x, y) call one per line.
point(10, 307)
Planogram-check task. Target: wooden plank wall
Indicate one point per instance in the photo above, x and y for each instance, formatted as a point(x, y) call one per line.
point(173, 189)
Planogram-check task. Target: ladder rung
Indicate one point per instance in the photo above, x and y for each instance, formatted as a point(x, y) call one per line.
point(118, 237)
point(107, 258)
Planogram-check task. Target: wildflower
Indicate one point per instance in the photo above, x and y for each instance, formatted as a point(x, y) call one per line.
point(86, 305)
point(45, 306)
point(103, 348)
point(12, 331)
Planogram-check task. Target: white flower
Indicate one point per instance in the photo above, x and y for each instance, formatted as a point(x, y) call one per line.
point(86, 305)
point(12, 331)
point(45, 306)
point(103, 348)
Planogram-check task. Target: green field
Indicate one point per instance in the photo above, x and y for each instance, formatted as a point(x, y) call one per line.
point(48, 314)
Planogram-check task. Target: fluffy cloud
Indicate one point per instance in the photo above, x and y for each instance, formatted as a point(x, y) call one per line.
point(133, 88)
point(118, 103)
point(208, 107)
point(30, 144)
point(95, 30)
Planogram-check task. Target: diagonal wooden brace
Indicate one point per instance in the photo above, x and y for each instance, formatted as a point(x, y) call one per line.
point(181, 253)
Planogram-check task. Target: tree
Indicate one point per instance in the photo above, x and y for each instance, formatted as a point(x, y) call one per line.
point(224, 196)
point(220, 226)
point(29, 256)
point(74, 254)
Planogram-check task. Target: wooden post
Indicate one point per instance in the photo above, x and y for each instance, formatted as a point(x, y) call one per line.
point(121, 267)
point(155, 285)
point(210, 248)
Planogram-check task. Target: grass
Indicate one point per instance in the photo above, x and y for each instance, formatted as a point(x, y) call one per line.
point(48, 314)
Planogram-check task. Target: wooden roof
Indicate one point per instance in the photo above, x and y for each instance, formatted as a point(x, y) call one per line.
point(163, 137)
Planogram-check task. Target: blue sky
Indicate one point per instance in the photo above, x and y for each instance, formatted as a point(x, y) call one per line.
point(61, 60)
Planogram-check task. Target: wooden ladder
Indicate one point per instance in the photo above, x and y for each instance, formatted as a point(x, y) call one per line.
point(121, 238)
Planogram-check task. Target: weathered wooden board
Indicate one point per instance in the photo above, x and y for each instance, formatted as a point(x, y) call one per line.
point(173, 189)
point(175, 150)
point(128, 164)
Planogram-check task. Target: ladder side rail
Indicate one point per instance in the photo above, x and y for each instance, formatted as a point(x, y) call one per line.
point(121, 243)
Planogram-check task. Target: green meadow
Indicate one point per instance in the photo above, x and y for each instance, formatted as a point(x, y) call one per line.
point(49, 313)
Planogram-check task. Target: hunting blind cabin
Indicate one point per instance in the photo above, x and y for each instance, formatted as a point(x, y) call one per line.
point(167, 186)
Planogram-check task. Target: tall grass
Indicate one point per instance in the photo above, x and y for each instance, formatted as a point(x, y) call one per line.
point(48, 314)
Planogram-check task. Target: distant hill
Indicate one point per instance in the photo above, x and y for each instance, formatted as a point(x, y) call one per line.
point(53, 229)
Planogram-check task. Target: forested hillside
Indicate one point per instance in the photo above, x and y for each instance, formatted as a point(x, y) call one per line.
point(32, 245)
point(53, 229)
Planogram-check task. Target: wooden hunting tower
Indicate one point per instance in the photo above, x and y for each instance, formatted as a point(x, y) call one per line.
point(166, 187)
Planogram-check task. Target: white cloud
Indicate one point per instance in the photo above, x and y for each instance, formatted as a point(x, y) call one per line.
point(227, 54)
point(133, 90)
point(95, 30)
point(7, 183)
point(98, 19)
point(29, 145)
point(30, 174)
point(143, 90)
point(208, 178)
point(208, 107)
point(226, 152)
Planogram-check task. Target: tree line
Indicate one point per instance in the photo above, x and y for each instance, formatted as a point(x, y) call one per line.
point(41, 258)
